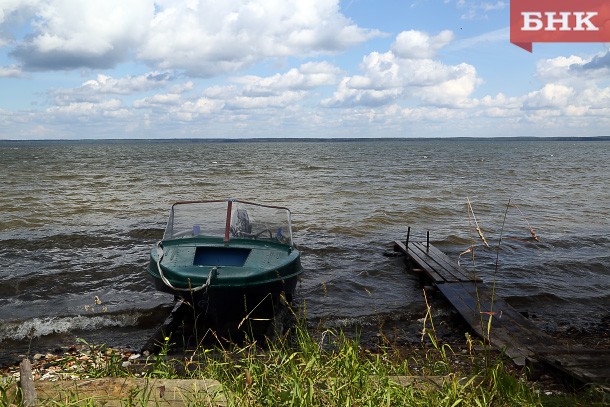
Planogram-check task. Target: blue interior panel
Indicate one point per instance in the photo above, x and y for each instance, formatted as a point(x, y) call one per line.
point(220, 256)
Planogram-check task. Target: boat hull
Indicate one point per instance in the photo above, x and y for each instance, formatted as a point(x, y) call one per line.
point(227, 284)
point(225, 307)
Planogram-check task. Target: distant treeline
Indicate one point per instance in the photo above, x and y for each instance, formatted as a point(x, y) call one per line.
point(299, 140)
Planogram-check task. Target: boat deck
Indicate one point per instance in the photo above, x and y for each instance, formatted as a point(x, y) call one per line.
point(509, 330)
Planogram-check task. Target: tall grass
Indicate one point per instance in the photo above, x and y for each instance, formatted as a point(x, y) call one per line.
point(486, 316)
point(329, 368)
point(326, 368)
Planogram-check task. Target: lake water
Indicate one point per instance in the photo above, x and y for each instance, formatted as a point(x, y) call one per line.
point(78, 220)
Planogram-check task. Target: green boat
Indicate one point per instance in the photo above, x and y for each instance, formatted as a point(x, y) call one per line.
point(229, 259)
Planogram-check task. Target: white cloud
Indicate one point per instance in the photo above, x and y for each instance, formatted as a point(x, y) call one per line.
point(250, 93)
point(573, 86)
point(405, 72)
point(202, 37)
point(575, 69)
point(500, 106)
point(93, 90)
point(157, 100)
point(280, 100)
point(557, 69)
point(70, 33)
point(173, 97)
point(192, 110)
point(455, 91)
point(10, 71)
point(308, 76)
point(10, 8)
point(14, 10)
point(211, 37)
point(110, 108)
point(128, 84)
point(550, 96)
point(418, 45)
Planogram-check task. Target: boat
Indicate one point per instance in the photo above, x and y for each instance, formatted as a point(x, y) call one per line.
point(230, 260)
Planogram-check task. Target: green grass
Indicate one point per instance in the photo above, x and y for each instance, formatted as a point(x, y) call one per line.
point(327, 368)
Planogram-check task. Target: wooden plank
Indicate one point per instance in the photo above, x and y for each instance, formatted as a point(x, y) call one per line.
point(430, 272)
point(134, 391)
point(520, 339)
point(586, 365)
point(436, 263)
point(445, 261)
point(509, 331)
point(420, 252)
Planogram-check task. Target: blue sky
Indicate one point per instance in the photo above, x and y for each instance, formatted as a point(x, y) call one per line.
point(72, 69)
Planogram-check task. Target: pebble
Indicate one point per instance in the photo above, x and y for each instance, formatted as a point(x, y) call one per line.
point(75, 359)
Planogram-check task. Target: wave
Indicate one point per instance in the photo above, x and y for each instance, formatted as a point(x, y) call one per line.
point(19, 330)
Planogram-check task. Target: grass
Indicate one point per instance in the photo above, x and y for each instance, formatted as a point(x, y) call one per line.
point(322, 367)
point(326, 368)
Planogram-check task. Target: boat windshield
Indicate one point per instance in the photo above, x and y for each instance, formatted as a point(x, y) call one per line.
point(229, 219)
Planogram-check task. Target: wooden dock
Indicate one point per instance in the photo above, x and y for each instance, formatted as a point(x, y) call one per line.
point(509, 331)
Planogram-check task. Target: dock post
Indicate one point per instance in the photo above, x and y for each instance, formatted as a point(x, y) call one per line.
point(427, 240)
point(407, 241)
point(26, 382)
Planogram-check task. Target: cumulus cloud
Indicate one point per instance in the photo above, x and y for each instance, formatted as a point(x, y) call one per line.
point(557, 69)
point(416, 44)
point(599, 62)
point(173, 97)
point(406, 71)
point(308, 76)
point(191, 110)
point(202, 37)
point(12, 71)
point(245, 93)
point(455, 90)
point(209, 37)
point(128, 84)
point(575, 69)
point(70, 34)
point(95, 89)
point(550, 96)
point(106, 108)
point(573, 86)
point(276, 91)
point(16, 8)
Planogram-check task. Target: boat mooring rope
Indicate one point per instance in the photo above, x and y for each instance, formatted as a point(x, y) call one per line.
point(160, 255)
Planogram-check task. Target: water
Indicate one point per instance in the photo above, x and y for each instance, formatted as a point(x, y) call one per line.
point(79, 218)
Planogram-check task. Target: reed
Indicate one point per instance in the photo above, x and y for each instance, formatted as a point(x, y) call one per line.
point(486, 316)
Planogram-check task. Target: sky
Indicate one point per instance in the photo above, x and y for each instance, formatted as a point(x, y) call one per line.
point(143, 69)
